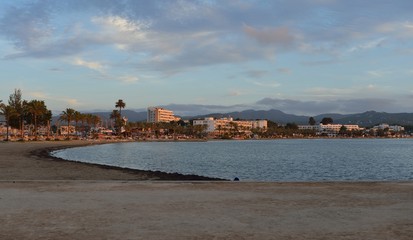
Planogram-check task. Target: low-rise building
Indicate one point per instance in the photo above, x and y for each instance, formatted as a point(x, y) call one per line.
point(331, 128)
point(64, 130)
point(392, 128)
point(223, 125)
point(309, 127)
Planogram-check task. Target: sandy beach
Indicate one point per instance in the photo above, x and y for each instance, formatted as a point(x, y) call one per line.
point(46, 198)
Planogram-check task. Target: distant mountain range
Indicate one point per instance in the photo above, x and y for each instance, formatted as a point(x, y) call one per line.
point(365, 119)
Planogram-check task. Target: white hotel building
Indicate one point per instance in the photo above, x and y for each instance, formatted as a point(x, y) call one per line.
point(333, 128)
point(157, 114)
point(225, 124)
point(392, 128)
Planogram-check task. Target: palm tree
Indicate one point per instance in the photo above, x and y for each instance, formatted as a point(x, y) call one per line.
point(8, 112)
point(82, 121)
point(115, 115)
point(95, 120)
point(120, 104)
point(19, 105)
point(36, 108)
point(77, 116)
point(68, 116)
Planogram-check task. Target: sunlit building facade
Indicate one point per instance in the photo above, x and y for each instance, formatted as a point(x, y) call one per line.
point(157, 114)
point(334, 128)
point(222, 125)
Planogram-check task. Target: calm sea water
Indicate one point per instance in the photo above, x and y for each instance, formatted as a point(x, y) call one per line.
point(267, 160)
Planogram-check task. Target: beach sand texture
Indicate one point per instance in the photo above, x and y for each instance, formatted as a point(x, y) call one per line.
point(44, 198)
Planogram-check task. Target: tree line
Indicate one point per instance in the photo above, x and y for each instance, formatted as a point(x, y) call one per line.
point(19, 112)
point(23, 114)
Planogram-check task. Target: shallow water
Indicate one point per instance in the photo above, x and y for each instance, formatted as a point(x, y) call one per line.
point(262, 160)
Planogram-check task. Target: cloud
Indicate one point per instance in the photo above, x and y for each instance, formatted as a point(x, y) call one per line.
point(302, 107)
point(329, 93)
point(55, 69)
point(176, 33)
point(378, 73)
point(199, 109)
point(402, 30)
point(128, 79)
point(332, 106)
point(280, 37)
point(27, 26)
point(117, 30)
point(59, 100)
point(256, 73)
point(368, 45)
point(40, 95)
point(271, 84)
point(169, 37)
point(88, 64)
point(121, 24)
point(235, 93)
point(284, 70)
point(163, 36)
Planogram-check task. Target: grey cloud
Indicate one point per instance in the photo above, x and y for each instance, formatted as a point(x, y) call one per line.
point(204, 53)
point(284, 70)
point(291, 106)
point(256, 73)
point(28, 25)
point(280, 37)
point(55, 69)
point(296, 106)
point(332, 106)
point(68, 47)
point(199, 109)
point(274, 25)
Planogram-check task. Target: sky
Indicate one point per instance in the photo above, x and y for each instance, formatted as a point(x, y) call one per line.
point(303, 57)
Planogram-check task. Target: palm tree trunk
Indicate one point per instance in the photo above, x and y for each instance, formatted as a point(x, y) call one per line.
point(7, 130)
point(35, 127)
point(21, 128)
point(68, 127)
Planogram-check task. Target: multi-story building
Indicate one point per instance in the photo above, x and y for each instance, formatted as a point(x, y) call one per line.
point(261, 124)
point(309, 127)
point(157, 114)
point(337, 127)
point(393, 128)
point(225, 124)
point(332, 128)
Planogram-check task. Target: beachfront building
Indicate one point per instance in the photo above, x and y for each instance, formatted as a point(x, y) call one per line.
point(391, 128)
point(4, 130)
point(224, 125)
point(330, 128)
point(309, 127)
point(65, 130)
point(157, 114)
point(336, 127)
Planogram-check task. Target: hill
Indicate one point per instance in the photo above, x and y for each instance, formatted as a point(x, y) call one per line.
point(272, 115)
point(372, 118)
point(366, 119)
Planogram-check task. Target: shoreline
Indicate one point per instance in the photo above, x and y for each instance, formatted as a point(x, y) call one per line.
point(34, 162)
point(152, 175)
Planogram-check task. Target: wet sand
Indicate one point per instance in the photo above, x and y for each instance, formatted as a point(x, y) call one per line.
point(45, 198)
